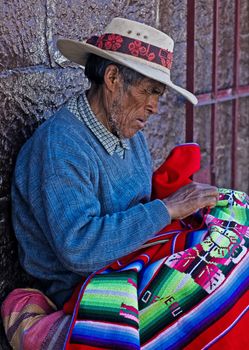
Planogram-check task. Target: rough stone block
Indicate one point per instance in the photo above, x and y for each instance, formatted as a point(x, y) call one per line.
point(202, 135)
point(203, 46)
point(172, 20)
point(27, 98)
point(226, 44)
point(223, 142)
point(23, 34)
point(243, 145)
point(244, 43)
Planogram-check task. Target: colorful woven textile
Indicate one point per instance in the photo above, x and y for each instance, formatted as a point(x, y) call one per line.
point(187, 288)
point(163, 297)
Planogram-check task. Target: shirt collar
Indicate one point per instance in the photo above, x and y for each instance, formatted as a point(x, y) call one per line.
point(80, 107)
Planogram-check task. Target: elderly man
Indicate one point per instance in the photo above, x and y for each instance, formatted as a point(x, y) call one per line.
point(81, 190)
point(82, 185)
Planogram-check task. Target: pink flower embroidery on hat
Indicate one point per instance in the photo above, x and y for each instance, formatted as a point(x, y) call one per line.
point(137, 49)
point(113, 42)
point(151, 56)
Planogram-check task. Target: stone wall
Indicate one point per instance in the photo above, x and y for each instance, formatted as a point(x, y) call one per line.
point(35, 80)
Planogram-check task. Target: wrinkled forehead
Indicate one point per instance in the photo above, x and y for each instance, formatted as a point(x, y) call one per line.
point(153, 85)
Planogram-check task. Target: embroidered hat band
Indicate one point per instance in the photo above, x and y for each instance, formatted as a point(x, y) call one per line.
point(137, 48)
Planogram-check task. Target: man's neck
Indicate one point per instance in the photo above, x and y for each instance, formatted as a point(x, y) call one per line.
point(100, 102)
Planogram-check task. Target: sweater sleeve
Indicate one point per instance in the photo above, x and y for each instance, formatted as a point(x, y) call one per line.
point(82, 239)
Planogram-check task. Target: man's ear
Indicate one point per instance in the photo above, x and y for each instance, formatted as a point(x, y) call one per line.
point(112, 77)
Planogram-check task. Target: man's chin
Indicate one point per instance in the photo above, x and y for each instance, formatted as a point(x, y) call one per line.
point(129, 134)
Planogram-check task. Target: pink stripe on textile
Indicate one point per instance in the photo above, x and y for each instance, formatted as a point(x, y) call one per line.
point(132, 282)
point(39, 334)
point(16, 300)
point(130, 317)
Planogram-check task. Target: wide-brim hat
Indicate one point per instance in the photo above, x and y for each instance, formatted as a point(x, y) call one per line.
point(132, 44)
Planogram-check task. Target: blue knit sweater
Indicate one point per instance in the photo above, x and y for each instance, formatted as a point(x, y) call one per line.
point(75, 207)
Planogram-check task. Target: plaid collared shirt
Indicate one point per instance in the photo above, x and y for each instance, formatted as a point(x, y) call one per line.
point(80, 107)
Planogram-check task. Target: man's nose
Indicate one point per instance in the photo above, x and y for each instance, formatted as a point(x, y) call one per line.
point(152, 104)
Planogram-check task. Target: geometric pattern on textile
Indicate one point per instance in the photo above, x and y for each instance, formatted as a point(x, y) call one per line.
point(167, 303)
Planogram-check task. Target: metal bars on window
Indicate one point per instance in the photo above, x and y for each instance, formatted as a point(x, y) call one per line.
point(216, 96)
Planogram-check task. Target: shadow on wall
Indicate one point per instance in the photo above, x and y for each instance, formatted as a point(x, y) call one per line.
point(14, 131)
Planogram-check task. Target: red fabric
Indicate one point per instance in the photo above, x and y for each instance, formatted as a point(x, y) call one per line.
point(82, 347)
point(236, 338)
point(175, 172)
point(221, 335)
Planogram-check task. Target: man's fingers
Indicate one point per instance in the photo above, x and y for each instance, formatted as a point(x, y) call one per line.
point(209, 201)
point(205, 188)
point(190, 198)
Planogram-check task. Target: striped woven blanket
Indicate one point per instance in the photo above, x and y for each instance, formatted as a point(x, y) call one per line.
point(185, 289)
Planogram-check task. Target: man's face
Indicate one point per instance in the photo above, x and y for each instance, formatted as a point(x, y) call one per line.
point(132, 107)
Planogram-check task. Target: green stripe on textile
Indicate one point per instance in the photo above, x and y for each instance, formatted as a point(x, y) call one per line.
point(166, 282)
point(170, 306)
point(107, 295)
point(234, 204)
point(104, 302)
point(224, 213)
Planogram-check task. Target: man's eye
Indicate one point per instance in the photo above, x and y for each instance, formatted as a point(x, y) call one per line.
point(148, 91)
point(153, 91)
point(157, 92)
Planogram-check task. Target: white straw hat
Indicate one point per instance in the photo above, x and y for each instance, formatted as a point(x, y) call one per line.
point(133, 44)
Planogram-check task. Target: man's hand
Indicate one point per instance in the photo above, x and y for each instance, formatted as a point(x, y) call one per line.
point(190, 198)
